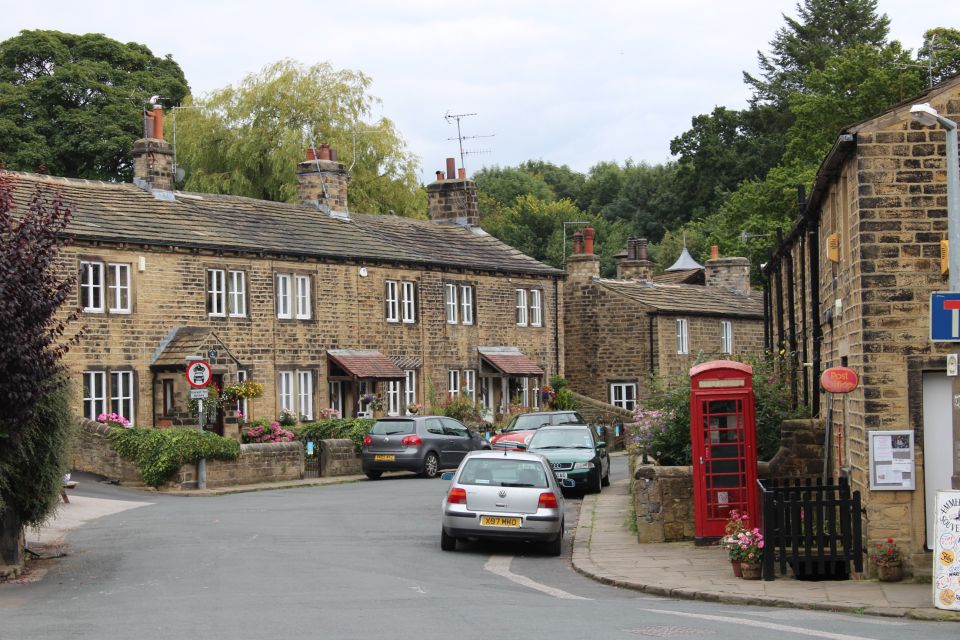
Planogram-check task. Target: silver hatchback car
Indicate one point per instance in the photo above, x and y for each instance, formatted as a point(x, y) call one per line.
point(507, 495)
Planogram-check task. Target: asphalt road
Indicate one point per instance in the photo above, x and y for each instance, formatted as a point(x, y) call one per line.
point(354, 561)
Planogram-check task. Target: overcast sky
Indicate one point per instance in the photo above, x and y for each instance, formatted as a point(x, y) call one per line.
point(568, 82)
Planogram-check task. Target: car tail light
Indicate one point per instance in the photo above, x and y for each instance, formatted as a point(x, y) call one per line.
point(411, 441)
point(459, 496)
point(367, 441)
point(548, 501)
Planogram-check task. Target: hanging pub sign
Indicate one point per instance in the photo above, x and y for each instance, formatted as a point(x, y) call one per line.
point(839, 380)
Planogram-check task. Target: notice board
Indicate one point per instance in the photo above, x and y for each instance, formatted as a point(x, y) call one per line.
point(891, 461)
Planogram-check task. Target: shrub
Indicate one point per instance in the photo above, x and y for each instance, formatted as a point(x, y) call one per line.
point(287, 418)
point(463, 409)
point(354, 429)
point(160, 452)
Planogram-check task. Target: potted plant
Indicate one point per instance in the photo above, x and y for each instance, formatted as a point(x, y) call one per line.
point(736, 524)
point(749, 546)
point(886, 556)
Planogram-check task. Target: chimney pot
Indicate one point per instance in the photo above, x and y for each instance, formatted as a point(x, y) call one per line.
point(324, 152)
point(462, 173)
point(333, 155)
point(578, 242)
point(158, 122)
point(632, 249)
point(642, 249)
point(451, 168)
point(439, 176)
point(714, 252)
point(588, 235)
point(147, 124)
point(311, 153)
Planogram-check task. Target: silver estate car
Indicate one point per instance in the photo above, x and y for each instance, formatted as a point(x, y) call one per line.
point(508, 495)
point(424, 444)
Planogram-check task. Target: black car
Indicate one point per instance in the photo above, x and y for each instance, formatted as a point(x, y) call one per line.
point(424, 444)
point(578, 459)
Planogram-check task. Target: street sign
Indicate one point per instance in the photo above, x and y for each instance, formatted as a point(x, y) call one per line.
point(839, 380)
point(199, 394)
point(945, 316)
point(199, 374)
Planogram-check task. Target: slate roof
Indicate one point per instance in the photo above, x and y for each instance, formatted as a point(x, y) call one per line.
point(366, 363)
point(182, 342)
point(688, 276)
point(108, 211)
point(688, 299)
point(510, 361)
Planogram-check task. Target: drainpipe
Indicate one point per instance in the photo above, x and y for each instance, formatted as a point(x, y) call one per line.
point(153, 397)
point(803, 319)
point(792, 315)
point(767, 313)
point(653, 366)
point(556, 327)
point(813, 247)
point(781, 342)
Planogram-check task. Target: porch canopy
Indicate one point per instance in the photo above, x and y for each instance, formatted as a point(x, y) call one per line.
point(509, 361)
point(366, 364)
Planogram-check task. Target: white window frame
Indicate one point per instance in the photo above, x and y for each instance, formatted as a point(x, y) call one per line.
point(216, 293)
point(121, 394)
point(285, 390)
point(92, 277)
point(392, 301)
point(470, 383)
point(521, 308)
point(94, 393)
point(242, 402)
point(236, 294)
point(393, 397)
point(536, 393)
point(683, 346)
point(335, 390)
point(410, 387)
point(118, 287)
point(303, 286)
point(363, 388)
point(282, 292)
point(623, 395)
point(451, 301)
point(726, 336)
point(466, 304)
point(305, 395)
point(536, 308)
point(525, 391)
point(409, 302)
point(453, 383)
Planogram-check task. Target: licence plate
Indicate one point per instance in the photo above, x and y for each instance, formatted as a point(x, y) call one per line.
point(384, 458)
point(561, 475)
point(498, 521)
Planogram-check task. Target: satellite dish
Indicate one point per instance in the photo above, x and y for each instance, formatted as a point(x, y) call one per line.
point(180, 174)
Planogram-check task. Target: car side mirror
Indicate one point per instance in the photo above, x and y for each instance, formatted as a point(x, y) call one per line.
point(447, 475)
point(521, 445)
point(601, 445)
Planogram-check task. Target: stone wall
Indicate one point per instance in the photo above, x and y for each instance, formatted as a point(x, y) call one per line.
point(339, 458)
point(92, 453)
point(258, 463)
point(663, 496)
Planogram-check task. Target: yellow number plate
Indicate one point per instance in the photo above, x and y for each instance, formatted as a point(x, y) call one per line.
point(497, 521)
point(385, 458)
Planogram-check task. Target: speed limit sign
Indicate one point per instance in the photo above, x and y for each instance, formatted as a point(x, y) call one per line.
point(199, 374)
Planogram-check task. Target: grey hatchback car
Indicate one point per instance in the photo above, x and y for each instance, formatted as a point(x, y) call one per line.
point(503, 496)
point(424, 444)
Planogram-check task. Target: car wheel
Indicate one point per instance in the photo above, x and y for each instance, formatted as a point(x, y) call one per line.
point(374, 475)
point(431, 465)
point(447, 543)
point(605, 480)
point(596, 483)
point(555, 547)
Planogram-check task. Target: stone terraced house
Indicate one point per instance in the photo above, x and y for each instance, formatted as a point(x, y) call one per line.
point(620, 332)
point(851, 286)
point(319, 305)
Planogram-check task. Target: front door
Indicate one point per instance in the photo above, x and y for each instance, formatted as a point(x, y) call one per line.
point(937, 454)
point(216, 425)
point(720, 472)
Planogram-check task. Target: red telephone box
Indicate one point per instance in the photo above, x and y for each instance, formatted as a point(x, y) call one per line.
point(723, 432)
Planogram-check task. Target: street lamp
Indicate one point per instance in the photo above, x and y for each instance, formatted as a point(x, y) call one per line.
point(926, 115)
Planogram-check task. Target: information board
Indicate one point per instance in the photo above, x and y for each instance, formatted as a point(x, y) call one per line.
point(946, 557)
point(891, 461)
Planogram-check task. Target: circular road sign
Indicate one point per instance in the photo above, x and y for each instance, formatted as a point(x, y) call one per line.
point(199, 374)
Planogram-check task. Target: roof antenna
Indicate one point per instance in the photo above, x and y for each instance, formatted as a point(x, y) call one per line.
point(460, 137)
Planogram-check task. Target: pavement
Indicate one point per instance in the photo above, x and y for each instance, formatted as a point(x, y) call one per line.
point(606, 550)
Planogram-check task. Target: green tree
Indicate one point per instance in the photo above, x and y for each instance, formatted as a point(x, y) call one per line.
point(649, 201)
point(505, 184)
point(35, 421)
point(941, 52)
point(247, 140)
point(74, 103)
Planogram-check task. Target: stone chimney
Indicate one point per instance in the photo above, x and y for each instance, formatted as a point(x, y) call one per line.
point(152, 155)
point(453, 198)
point(582, 264)
point(322, 180)
point(636, 265)
point(733, 273)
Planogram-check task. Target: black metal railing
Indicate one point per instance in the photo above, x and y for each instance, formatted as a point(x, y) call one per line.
point(311, 457)
point(813, 527)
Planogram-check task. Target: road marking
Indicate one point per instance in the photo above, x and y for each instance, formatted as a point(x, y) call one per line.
point(763, 625)
point(500, 565)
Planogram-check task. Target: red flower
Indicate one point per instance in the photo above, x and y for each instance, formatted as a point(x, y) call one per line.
point(889, 540)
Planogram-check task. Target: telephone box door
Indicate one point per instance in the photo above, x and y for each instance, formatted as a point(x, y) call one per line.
point(723, 436)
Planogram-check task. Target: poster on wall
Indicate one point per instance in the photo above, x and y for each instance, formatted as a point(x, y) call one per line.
point(891, 461)
point(946, 557)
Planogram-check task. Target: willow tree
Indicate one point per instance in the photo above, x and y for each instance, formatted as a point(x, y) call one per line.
point(247, 139)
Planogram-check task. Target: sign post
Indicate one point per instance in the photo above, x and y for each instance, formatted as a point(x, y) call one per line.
point(835, 380)
point(199, 375)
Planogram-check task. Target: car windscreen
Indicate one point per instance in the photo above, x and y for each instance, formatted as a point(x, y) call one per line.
point(527, 422)
point(393, 427)
point(567, 418)
point(561, 439)
point(503, 472)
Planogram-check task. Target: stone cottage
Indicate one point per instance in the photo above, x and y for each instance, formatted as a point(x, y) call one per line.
point(319, 304)
point(850, 286)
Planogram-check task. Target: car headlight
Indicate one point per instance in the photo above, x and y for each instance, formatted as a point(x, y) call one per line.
point(583, 465)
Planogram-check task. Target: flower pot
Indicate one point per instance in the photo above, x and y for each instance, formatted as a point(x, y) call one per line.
point(737, 573)
point(750, 570)
point(890, 571)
